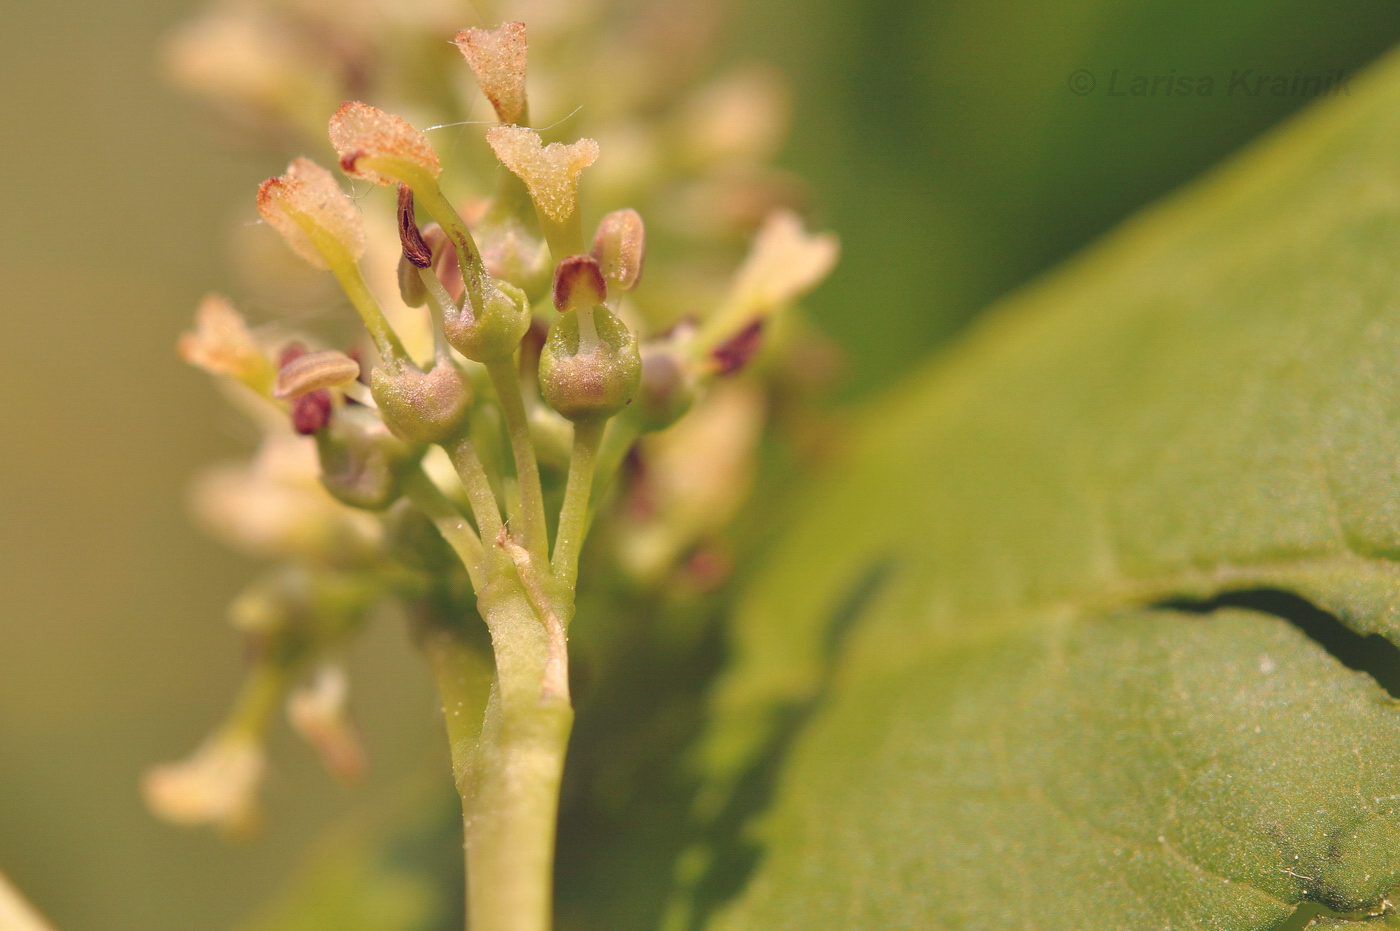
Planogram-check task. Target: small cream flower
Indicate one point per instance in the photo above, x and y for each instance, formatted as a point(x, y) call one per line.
point(741, 117)
point(498, 58)
point(379, 147)
point(241, 58)
point(276, 505)
point(221, 345)
point(549, 171)
point(306, 204)
point(318, 712)
point(217, 785)
point(698, 475)
point(784, 263)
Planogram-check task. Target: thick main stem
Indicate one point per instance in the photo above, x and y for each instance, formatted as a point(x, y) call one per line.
point(510, 822)
point(527, 471)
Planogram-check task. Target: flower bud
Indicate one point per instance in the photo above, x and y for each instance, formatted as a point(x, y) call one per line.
point(221, 345)
point(317, 711)
point(667, 388)
point(585, 385)
point(578, 284)
point(361, 460)
point(494, 333)
point(312, 213)
point(498, 57)
point(620, 247)
point(379, 147)
point(217, 785)
point(422, 407)
point(314, 371)
point(549, 171)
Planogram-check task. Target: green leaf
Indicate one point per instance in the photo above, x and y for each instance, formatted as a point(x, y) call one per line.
point(961, 673)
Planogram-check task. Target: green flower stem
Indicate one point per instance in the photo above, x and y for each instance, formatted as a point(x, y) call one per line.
point(527, 471)
point(515, 783)
point(573, 516)
point(450, 522)
point(619, 438)
point(482, 499)
point(438, 301)
point(257, 701)
point(347, 272)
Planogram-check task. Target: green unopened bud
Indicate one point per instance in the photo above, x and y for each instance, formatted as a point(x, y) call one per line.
point(361, 460)
point(423, 407)
point(620, 246)
point(667, 388)
point(494, 333)
point(592, 381)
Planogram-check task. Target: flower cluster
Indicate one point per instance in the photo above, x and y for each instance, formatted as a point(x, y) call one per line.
point(516, 355)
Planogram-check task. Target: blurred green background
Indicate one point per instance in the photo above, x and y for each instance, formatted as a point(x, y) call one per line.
point(941, 139)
